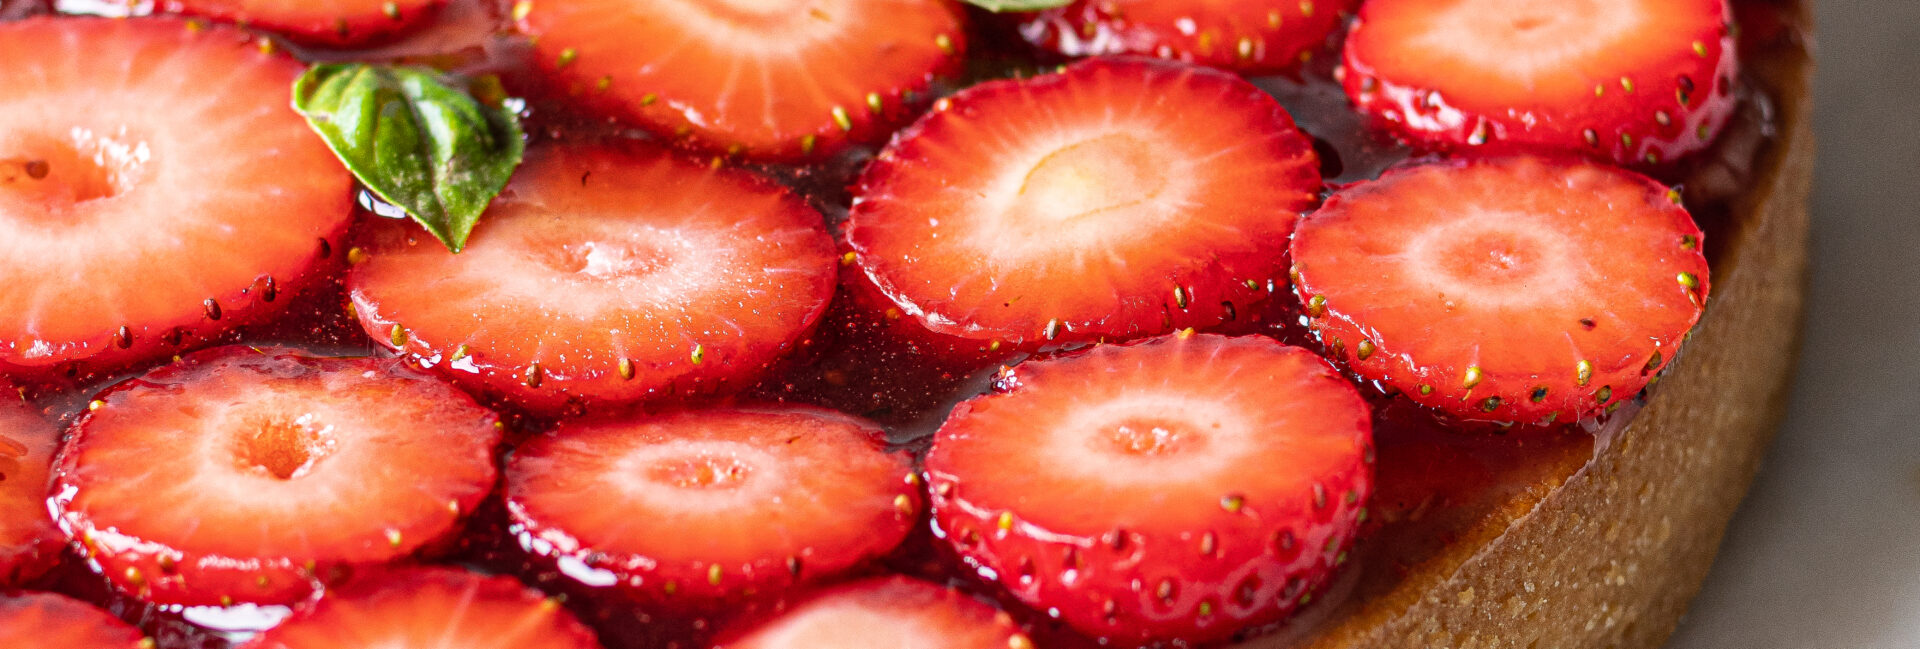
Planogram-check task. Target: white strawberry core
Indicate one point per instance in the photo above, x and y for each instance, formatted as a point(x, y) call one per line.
point(1493, 259)
point(283, 447)
point(1087, 189)
point(635, 258)
point(1527, 41)
point(1132, 439)
point(1107, 173)
point(704, 471)
point(590, 264)
point(56, 173)
point(280, 452)
point(698, 477)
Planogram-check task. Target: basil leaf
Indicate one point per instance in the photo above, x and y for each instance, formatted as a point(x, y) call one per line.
point(415, 139)
point(998, 6)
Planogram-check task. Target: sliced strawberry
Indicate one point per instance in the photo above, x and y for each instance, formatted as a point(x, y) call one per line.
point(1177, 489)
point(1633, 81)
point(1116, 199)
point(703, 506)
point(238, 475)
point(770, 80)
point(430, 607)
point(604, 275)
point(326, 23)
point(140, 211)
point(29, 543)
point(1247, 36)
point(1518, 289)
point(883, 613)
point(50, 621)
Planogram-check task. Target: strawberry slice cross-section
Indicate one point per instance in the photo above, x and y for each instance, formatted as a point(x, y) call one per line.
point(1510, 290)
point(1117, 199)
point(767, 79)
point(604, 275)
point(250, 476)
point(1175, 489)
point(429, 607)
point(1637, 82)
point(882, 613)
point(145, 206)
point(698, 507)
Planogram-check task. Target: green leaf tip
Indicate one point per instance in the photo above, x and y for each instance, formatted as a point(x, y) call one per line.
point(416, 138)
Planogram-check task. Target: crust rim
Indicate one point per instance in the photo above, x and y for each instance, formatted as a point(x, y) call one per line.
point(1609, 556)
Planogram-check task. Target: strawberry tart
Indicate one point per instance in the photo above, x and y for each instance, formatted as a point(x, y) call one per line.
point(785, 324)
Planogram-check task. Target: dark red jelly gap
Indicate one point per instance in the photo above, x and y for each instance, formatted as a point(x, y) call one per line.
point(1434, 478)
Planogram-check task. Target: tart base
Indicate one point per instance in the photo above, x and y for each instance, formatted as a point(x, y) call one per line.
point(1608, 554)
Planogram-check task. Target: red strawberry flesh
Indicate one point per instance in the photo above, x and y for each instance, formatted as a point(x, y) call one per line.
point(1180, 488)
point(604, 275)
point(29, 543)
point(704, 505)
point(140, 211)
point(430, 607)
point(1117, 199)
point(1246, 36)
point(52, 621)
point(1516, 289)
point(326, 23)
point(772, 80)
point(238, 475)
point(1639, 82)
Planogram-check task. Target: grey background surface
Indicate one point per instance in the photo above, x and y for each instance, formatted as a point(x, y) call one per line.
point(1825, 553)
